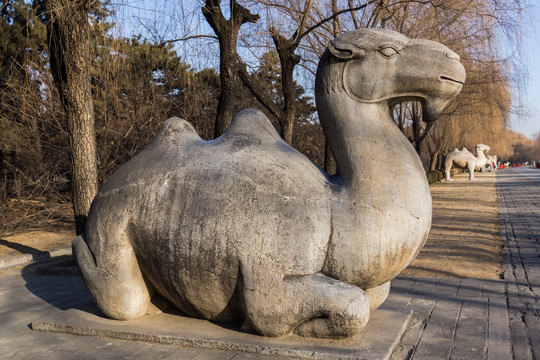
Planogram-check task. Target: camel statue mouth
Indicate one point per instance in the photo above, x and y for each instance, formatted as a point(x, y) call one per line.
point(449, 79)
point(434, 93)
point(433, 107)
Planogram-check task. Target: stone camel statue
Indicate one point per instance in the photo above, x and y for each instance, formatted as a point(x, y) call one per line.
point(481, 158)
point(464, 159)
point(245, 228)
point(491, 160)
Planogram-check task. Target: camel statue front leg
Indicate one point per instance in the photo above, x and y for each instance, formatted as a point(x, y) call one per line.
point(309, 305)
point(447, 168)
point(471, 165)
point(114, 279)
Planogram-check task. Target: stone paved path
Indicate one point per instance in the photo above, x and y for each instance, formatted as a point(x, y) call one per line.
point(453, 318)
point(485, 319)
point(519, 208)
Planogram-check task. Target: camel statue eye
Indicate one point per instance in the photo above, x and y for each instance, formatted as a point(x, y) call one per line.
point(388, 52)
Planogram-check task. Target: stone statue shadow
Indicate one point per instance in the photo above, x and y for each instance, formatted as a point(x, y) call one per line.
point(23, 249)
point(58, 283)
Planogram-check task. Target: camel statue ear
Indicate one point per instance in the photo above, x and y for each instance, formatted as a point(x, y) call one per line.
point(346, 51)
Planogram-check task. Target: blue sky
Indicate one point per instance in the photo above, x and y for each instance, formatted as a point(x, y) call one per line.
point(530, 125)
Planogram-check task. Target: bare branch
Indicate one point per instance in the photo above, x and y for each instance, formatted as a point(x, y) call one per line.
point(256, 90)
point(171, 41)
point(330, 18)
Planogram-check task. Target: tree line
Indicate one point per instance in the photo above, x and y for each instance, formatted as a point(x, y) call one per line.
point(66, 75)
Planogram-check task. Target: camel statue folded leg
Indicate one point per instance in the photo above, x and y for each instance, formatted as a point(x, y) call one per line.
point(244, 228)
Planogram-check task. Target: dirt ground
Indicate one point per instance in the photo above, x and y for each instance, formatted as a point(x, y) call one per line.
point(35, 240)
point(464, 240)
point(32, 226)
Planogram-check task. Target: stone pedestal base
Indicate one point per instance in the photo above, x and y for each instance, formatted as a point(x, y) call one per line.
point(376, 341)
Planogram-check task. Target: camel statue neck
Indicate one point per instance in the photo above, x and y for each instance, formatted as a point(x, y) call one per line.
point(382, 183)
point(480, 153)
point(364, 141)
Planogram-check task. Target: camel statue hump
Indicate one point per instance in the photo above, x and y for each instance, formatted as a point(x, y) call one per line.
point(176, 130)
point(251, 127)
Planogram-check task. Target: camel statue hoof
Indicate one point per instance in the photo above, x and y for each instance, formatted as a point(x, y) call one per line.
point(246, 228)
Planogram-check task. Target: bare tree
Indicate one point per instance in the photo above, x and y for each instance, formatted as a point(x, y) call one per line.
point(301, 24)
point(69, 49)
point(300, 30)
point(227, 33)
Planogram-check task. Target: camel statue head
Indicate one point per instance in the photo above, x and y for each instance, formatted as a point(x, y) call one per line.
point(379, 65)
point(482, 148)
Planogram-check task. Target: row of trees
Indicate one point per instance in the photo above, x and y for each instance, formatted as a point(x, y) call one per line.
point(64, 76)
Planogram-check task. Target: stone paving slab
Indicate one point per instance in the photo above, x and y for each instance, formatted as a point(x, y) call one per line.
point(377, 341)
point(454, 323)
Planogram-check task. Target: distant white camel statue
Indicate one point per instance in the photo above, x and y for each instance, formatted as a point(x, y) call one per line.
point(460, 158)
point(492, 162)
point(464, 159)
point(481, 158)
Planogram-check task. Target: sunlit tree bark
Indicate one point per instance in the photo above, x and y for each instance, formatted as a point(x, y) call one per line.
point(69, 49)
point(227, 33)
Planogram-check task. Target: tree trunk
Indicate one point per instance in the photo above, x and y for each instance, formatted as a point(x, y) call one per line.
point(38, 148)
point(229, 84)
point(288, 59)
point(434, 160)
point(68, 33)
point(227, 33)
point(3, 181)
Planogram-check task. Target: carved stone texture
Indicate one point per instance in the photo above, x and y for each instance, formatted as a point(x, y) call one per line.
point(464, 159)
point(245, 228)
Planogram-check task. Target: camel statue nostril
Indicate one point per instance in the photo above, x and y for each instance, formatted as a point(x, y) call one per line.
point(451, 55)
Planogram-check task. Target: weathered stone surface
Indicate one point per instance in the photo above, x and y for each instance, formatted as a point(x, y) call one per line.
point(245, 228)
point(464, 159)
